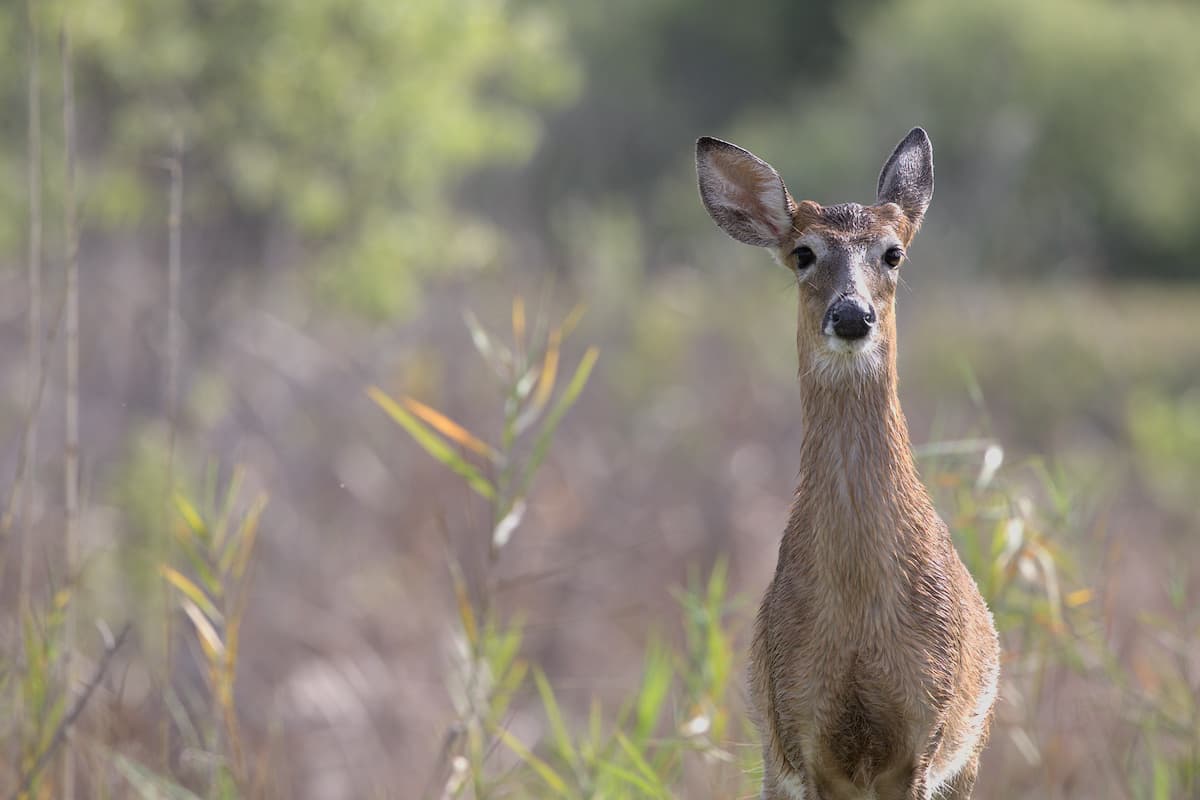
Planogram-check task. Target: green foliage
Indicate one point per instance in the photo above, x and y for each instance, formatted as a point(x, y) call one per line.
point(660, 71)
point(1063, 126)
point(678, 709)
point(347, 122)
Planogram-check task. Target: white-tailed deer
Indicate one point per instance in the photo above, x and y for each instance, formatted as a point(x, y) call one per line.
point(875, 660)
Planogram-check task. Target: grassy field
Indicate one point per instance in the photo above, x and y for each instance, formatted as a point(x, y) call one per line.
point(561, 607)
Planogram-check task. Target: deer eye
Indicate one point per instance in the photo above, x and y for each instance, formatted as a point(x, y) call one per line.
point(893, 256)
point(804, 256)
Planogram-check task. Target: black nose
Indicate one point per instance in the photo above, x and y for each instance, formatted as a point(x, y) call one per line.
point(850, 318)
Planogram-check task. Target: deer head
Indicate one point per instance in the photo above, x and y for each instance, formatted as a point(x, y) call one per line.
point(845, 257)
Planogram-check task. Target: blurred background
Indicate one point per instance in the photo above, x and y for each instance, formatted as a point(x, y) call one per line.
point(435, 443)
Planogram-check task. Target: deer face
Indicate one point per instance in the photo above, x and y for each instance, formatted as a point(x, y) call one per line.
point(845, 257)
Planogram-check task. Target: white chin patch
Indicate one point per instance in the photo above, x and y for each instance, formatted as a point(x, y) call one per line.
point(838, 360)
point(837, 344)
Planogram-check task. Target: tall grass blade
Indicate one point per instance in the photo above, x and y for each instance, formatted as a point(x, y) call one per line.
point(195, 522)
point(558, 728)
point(448, 427)
point(210, 640)
point(544, 770)
point(232, 491)
point(432, 444)
point(191, 591)
point(236, 558)
point(641, 764)
point(518, 326)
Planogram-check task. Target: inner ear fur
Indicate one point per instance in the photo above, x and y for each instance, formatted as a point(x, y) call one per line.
point(743, 194)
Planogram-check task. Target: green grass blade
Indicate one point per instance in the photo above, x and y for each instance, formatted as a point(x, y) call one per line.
point(656, 684)
point(226, 511)
point(192, 517)
point(544, 770)
point(641, 764)
point(558, 729)
point(238, 550)
point(633, 779)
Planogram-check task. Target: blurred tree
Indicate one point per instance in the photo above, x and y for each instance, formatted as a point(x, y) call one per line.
point(1066, 133)
point(659, 73)
point(345, 122)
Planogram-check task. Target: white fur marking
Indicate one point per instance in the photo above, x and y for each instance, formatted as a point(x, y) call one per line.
point(792, 786)
point(974, 730)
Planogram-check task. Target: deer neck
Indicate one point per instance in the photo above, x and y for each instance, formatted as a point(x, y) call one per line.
point(859, 502)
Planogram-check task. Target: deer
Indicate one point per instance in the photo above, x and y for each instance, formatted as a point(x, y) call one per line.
point(874, 665)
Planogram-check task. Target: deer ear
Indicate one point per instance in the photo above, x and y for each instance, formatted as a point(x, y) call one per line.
point(907, 177)
point(743, 194)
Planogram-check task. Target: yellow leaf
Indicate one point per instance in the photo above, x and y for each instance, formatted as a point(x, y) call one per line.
point(549, 370)
point(465, 612)
point(432, 443)
point(1078, 597)
point(572, 319)
point(190, 590)
point(210, 640)
point(61, 598)
point(448, 427)
point(190, 515)
point(518, 321)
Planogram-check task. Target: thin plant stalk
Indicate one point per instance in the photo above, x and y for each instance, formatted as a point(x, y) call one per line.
point(171, 392)
point(33, 353)
point(71, 456)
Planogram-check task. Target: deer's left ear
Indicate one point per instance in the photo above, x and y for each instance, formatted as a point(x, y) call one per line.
point(743, 194)
point(907, 177)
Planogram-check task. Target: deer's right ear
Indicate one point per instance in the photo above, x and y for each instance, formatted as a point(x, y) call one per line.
point(743, 193)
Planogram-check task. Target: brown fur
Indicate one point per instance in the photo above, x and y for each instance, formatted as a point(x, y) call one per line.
point(874, 651)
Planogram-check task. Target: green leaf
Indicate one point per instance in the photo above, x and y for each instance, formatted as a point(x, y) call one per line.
point(639, 761)
point(231, 494)
point(656, 683)
point(631, 778)
point(432, 444)
point(201, 566)
point(1162, 779)
point(558, 729)
point(544, 770)
point(192, 517)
